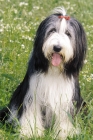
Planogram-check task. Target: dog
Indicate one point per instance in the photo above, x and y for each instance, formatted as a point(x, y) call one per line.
point(50, 90)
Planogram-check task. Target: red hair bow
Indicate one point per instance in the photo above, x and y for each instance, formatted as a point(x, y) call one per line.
point(66, 17)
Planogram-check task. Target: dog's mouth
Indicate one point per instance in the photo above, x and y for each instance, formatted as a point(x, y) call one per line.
point(56, 59)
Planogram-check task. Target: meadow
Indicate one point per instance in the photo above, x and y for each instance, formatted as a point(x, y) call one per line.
point(18, 23)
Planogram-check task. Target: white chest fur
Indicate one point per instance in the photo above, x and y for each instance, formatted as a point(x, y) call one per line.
point(52, 89)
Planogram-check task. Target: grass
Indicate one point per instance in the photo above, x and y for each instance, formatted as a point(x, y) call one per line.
point(18, 23)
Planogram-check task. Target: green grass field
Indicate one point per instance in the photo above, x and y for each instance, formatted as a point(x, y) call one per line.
point(18, 24)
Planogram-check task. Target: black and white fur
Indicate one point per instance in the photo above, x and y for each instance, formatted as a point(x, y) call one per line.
point(46, 96)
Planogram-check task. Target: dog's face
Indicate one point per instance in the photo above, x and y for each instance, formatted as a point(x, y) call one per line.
point(60, 42)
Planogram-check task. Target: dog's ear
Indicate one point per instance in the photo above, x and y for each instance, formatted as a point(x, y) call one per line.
point(40, 62)
point(81, 44)
point(80, 47)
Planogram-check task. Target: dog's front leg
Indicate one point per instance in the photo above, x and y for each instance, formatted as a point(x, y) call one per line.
point(63, 126)
point(31, 121)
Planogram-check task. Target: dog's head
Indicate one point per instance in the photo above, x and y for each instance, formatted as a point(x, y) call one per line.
point(60, 42)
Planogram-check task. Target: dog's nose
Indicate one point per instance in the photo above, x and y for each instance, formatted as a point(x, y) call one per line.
point(57, 48)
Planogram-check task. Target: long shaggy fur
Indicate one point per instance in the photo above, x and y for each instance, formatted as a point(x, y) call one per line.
point(50, 89)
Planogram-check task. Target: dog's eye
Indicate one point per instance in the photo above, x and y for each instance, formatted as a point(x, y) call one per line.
point(52, 31)
point(67, 33)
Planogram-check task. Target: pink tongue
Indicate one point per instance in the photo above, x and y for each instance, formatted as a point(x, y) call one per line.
point(56, 59)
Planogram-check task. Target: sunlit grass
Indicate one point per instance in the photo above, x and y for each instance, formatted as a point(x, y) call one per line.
point(18, 24)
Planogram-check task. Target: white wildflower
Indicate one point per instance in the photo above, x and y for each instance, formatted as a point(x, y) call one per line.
point(91, 76)
point(30, 13)
point(23, 4)
point(1, 30)
point(23, 46)
point(11, 41)
point(36, 7)
point(0, 49)
point(85, 61)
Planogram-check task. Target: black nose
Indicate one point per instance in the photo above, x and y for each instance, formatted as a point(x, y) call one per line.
point(57, 48)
